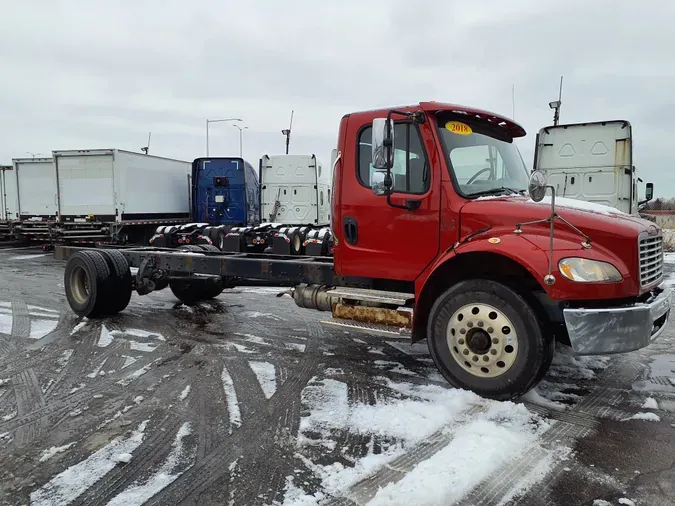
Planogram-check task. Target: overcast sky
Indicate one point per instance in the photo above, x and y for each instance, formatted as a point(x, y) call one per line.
point(84, 74)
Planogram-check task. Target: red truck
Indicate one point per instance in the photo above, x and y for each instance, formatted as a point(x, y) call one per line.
point(440, 233)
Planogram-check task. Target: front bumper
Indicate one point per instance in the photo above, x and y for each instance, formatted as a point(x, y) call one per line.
point(619, 329)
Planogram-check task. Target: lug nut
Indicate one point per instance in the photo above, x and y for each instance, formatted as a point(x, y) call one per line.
point(462, 331)
point(475, 358)
point(495, 340)
point(480, 323)
point(490, 330)
point(486, 358)
point(466, 352)
point(493, 351)
point(461, 341)
point(469, 324)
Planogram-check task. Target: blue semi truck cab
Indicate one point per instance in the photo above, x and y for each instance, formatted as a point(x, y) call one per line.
point(224, 193)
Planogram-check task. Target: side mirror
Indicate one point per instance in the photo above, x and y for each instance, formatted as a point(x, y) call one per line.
point(377, 182)
point(536, 188)
point(383, 144)
point(649, 192)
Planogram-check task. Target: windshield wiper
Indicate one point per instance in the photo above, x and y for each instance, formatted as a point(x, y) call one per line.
point(495, 191)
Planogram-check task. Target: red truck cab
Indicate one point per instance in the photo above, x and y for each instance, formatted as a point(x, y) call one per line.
point(444, 209)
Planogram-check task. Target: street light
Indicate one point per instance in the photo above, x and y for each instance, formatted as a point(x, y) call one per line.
point(241, 139)
point(216, 121)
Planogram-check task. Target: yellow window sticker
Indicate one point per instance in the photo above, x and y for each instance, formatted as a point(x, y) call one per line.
point(458, 128)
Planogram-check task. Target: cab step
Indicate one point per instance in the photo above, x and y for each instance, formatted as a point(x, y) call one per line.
point(396, 298)
point(368, 328)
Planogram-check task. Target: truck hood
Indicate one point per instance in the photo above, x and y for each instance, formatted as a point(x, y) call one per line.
point(614, 235)
point(597, 221)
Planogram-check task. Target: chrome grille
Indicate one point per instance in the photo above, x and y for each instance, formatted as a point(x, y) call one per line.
point(651, 259)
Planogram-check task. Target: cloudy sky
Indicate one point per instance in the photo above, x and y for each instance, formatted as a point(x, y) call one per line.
point(82, 74)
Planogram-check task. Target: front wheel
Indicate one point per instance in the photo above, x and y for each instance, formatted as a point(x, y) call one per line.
point(485, 337)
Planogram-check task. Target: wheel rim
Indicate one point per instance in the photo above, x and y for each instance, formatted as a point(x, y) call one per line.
point(482, 340)
point(79, 285)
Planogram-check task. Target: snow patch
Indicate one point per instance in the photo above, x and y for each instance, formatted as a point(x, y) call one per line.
point(9, 416)
point(142, 490)
point(578, 204)
point(257, 314)
point(66, 486)
point(627, 502)
point(63, 359)
point(78, 327)
point(105, 338)
point(648, 417)
point(48, 454)
point(6, 322)
point(535, 397)
point(328, 404)
point(266, 374)
point(231, 399)
point(40, 328)
point(123, 458)
point(185, 393)
point(144, 347)
point(29, 257)
point(136, 374)
point(650, 403)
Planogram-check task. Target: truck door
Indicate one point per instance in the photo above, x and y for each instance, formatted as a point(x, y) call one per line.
point(219, 197)
point(378, 240)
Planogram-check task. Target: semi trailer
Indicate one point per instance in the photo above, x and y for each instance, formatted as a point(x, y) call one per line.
point(489, 275)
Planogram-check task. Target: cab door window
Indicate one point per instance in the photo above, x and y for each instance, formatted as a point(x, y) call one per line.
point(410, 172)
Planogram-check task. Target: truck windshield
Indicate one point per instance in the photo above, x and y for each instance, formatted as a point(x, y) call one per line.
point(482, 161)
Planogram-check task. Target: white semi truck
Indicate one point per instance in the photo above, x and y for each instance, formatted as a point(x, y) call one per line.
point(592, 162)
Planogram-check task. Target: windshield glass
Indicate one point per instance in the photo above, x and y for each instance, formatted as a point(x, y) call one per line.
point(482, 160)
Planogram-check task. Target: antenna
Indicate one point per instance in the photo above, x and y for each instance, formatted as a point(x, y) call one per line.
point(147, 148)
point(556, 105)
point(287, 132)
point(513, 101)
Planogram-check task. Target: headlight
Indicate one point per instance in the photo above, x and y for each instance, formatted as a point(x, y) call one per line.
point(584, 270)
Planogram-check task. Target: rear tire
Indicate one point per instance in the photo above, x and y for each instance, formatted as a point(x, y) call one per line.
point(121, 284)
point(484, 337)
point(87, 281)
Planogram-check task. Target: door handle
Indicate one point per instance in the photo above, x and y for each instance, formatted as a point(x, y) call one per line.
point(351, 230)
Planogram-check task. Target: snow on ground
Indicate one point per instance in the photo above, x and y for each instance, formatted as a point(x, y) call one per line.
point(231, 398)
point(69, 484)
point(266, 374)
point(649, 417)
point(48, 454)
point(479, 444)
point(185, 393)
point(29, 257)
point(79, 327)
point(257, 314)
point(143, 489)
point(6, 319)
point(105, 338)
point(42, 327)
point(650, 403)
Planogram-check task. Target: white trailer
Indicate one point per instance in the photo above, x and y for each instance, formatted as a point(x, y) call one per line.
point(111, 196)
point(9, 199)
point(36, 188)
point(118, 185)
point(294, 190)
point(592, 162)
point(9, 205)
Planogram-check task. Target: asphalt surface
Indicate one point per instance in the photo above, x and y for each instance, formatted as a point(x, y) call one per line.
point(77, 385)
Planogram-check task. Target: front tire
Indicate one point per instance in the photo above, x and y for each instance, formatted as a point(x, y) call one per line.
point(485, 337)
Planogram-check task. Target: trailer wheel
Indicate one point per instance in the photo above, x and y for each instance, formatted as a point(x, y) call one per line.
point(194, 248)
point(87, 280)
point(121, 284)
point(484, 337)
point(190, 291)
point(297, 247)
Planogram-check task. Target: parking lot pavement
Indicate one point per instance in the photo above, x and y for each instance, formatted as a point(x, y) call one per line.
point(247, 400)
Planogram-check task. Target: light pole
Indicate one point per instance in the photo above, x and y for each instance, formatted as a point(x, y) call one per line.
point(241, 139)
point(216, 121)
